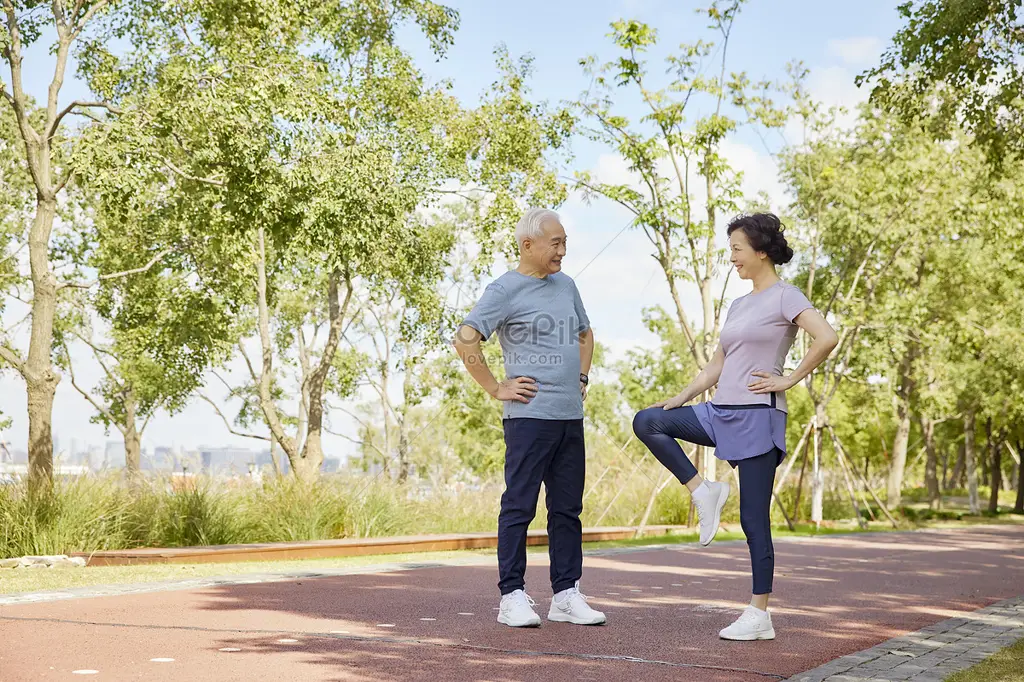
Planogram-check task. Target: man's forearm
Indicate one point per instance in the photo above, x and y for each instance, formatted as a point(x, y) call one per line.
point(476, 364)
point(586, 351)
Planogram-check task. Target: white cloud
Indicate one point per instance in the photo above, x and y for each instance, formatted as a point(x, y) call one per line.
point(760, 171)
point(832, 86)
point(858, 52)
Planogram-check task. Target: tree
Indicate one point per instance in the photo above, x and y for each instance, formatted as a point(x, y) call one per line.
point(877, 200)
point(499, 158)
point(671, 158)
point(958, 64)
point(297, 144)
point(165, 326)
point(41, 132)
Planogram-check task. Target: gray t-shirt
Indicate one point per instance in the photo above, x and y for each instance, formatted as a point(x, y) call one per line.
point(538, 321)
point(756, 337)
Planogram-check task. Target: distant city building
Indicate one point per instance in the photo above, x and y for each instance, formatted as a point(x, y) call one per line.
point(113, 455)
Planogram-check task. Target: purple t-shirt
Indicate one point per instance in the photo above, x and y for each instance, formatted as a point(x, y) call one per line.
point(757, 336)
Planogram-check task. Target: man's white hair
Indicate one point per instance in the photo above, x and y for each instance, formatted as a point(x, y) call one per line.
point(529, 226)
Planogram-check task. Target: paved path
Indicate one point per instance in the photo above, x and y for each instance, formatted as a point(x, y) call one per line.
point(834, 596)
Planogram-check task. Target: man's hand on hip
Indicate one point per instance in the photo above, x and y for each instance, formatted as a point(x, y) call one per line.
point(520, 389)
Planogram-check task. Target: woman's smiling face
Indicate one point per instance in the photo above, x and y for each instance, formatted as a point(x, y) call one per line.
point(743, 257)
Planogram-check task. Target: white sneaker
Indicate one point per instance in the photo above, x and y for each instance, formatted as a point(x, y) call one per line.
point(573, 608)
point(752, 624)
point(516, 610)
point(709, 510)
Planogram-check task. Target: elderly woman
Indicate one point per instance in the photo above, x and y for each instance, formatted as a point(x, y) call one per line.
point(746, 420)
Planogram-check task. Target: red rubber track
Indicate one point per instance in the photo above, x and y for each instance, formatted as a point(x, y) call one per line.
point(834, 595)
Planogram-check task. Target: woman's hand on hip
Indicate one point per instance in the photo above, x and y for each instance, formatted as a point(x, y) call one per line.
point(769, 383)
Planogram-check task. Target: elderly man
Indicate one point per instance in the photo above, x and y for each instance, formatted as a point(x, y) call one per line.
point(547, 345)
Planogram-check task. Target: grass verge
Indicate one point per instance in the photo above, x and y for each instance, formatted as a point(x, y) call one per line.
point(1006, 665)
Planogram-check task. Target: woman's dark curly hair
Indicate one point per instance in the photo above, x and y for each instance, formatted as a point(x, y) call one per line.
point(765, 233)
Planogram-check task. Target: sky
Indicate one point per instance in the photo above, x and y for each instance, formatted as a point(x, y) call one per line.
point(615, 274)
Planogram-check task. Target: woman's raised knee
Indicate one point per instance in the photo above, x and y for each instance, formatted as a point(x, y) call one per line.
point(645, 422)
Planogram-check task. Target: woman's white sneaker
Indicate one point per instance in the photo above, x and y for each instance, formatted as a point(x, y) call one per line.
point(516, 610)
point(709, 505)
point(573, 608)
point(752, 624)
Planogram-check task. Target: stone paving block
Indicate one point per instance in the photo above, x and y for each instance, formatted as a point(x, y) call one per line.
point(936, 651)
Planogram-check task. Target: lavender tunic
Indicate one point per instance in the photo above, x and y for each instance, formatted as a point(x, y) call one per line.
point(758, 334)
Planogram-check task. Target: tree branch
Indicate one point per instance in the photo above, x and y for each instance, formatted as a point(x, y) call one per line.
point(18, 323)
point(355, 440)
point(11, 357)
point(58, 15)
point(114, 275)
point(145, 422)
point(248, 362)
point(85, 394)
point(70, 173)
point(170, 165)
point(224, 381)
point(596, 190)
point(228, 424)
point(13, 253)
point(52, 130)
point(17, 96)
point(268, 405)
point(80, 24)
point(98, 353)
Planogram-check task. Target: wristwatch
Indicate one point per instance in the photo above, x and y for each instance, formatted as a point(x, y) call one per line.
point(584, 379)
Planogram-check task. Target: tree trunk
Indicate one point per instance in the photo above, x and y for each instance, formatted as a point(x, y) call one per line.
point(956, 479)
point(970, 464)
point(650, 506)
point(132, 437)
point(996, 449)
point(986, 471)
point(688, 331)
point(818, 474)
point(1018, 508)
point(307, 469)
point(898, 464)
point(404, 465)
point(800, 479)
point(403, 453)
point(312, 454)
point(37, 369)
point(266, 376)
point(385, 404)
point(273, 457)
point(944, 480)
point(931, 467)
point(40, 378)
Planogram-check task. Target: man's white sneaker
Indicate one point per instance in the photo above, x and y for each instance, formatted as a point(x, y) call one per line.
point(516, 610)
point(752, 624)
point(573, 608)
point(709, 509)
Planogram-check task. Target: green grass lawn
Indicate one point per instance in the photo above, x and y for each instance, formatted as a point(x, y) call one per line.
point(1006, 665)
point(31, 580)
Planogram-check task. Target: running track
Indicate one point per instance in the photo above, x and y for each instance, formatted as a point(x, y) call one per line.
point(834, 595)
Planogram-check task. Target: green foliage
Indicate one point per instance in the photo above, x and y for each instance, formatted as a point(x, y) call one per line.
point(957, 64)
point(647, 376)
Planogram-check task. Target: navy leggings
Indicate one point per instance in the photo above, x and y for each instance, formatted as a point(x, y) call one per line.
point(658, 429)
